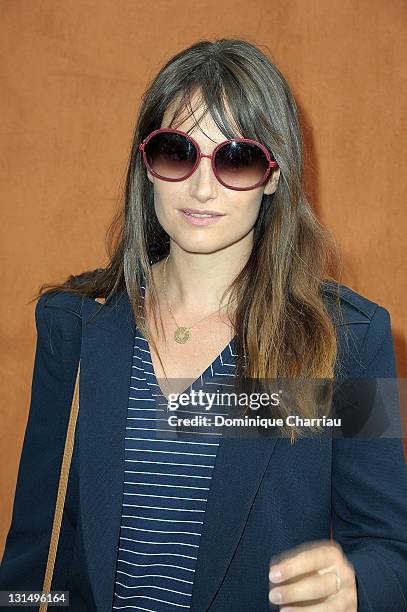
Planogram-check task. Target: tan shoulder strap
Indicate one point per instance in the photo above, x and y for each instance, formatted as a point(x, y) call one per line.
point(63, 483)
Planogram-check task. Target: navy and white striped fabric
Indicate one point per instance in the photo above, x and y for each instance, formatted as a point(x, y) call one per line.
point(166, 487)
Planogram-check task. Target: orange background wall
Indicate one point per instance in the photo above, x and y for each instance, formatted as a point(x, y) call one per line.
point(72, 74)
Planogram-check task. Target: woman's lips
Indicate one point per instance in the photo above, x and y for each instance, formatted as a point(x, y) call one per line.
point(195, 220)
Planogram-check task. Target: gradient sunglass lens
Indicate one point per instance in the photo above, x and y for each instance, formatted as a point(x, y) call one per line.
point(170, 155)
point(241, 164)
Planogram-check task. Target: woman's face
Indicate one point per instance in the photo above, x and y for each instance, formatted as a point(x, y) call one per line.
point(202, 191)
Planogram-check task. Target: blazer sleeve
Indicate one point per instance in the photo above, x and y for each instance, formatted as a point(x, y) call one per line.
point(26, 550)
point(369, 493)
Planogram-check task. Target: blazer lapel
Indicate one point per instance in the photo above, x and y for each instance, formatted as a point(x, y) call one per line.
point(239, 468)
point(106, 364)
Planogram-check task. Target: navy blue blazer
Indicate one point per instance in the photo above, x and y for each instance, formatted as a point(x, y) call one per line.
point(267, 496)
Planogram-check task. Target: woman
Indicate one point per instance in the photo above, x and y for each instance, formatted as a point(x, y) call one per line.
point(220, 268)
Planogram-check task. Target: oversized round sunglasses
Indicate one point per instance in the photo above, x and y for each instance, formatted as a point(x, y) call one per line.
point(240, 164)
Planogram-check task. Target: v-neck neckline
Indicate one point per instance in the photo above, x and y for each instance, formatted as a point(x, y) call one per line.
point(199, 378)
point(228, 347)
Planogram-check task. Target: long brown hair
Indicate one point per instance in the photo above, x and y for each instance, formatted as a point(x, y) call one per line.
point(281, 321)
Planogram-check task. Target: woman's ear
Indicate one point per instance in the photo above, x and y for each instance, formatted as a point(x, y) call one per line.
point(272, 183)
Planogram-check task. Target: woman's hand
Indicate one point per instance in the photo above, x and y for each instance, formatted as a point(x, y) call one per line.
point(317, 574)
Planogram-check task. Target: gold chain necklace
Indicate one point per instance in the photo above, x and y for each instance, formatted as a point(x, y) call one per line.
point(182, 334)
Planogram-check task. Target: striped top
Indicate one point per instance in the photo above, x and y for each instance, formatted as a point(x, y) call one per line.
point(167, 480)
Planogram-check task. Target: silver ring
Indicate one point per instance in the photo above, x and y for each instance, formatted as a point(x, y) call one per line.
point(338, 582)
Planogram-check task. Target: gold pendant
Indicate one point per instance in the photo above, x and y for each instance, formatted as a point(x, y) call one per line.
point(181, 335)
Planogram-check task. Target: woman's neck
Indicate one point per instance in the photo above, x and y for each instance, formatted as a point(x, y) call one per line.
point(195, 282)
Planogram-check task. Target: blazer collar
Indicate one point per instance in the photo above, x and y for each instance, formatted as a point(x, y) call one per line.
point(106, 364)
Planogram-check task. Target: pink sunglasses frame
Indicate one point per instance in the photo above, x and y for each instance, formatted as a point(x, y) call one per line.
point(272, 164)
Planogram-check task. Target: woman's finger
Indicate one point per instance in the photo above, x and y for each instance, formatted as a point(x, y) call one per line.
point(305, 589)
